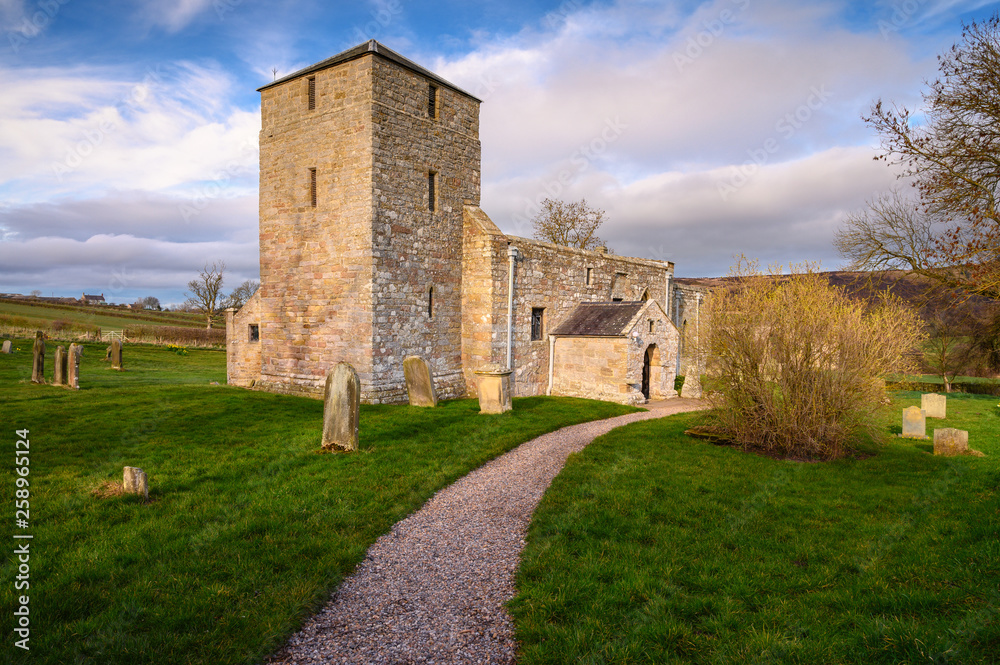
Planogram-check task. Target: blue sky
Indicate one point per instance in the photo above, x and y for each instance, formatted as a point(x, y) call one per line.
point(128, 129)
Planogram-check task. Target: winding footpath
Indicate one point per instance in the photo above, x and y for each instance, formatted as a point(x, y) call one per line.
point(433, 589)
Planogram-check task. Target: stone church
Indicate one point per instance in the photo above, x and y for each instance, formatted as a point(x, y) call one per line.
point(373, 248)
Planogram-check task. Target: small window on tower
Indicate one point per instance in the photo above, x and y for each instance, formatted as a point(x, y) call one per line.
point(430, 303)
point(312, 187)
point(312, 92)
point(431, 190)
point(432, 95)
point(537, 323)
point(254, 332)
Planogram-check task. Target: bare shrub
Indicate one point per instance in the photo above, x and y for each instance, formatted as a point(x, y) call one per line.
point(799, 365)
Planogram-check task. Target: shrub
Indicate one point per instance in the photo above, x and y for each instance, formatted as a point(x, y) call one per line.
point(799, 365)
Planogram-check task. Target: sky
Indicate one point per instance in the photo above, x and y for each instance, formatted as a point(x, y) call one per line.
point(704, 130)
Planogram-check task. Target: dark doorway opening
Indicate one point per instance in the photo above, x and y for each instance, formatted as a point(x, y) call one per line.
point(647, 362)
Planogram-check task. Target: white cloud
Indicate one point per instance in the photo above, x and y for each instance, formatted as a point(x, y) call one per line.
point(178, 14)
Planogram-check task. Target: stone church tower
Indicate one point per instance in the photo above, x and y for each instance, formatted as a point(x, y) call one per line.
point(366, 161)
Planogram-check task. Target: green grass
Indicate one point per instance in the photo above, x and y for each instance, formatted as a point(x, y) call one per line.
point(652, 547)
point(248, 528)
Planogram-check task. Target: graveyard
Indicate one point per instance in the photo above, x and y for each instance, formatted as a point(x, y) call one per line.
point(650, 546)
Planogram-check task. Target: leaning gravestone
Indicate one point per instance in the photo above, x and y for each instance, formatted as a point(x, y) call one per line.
point(116, 353)
point(60, 366)
point(38, 359)
point(6, 346)
point(934, 405)
point(692, 386)
point(950, 442)
point(73, 367)
point(134, 482)
point(419, 382)
point(914, 423)
point(341, 401)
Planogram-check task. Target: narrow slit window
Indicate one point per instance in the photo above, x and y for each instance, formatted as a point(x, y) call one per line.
point(652, 326)
point(430, 303)
point(312, 187)
point(312, 92)
point(432, 93)
point(254, 335)
point(431, 190)
point(590, 276)
point(537, 323)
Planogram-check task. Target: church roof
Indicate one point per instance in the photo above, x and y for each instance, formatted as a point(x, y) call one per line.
point(599, 319)
point(375, 48)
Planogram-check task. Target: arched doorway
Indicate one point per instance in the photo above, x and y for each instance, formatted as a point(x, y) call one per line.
point(647, 362)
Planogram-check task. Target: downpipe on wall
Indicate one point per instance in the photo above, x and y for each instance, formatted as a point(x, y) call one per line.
point(511, 258)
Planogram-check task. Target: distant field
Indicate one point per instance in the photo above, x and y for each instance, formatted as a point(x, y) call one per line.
point(98, 316)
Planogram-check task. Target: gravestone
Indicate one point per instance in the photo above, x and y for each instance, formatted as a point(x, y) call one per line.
point(135, 482)
point(493, 387)
point(61, 364)
point(419, 382)
point(950, 442)
point(934, 405)
point(73, 367)
point(341, 401)
point(38, 359)
point(692, 386)
point(116, 353)
point(6, 346)
point(914, 423)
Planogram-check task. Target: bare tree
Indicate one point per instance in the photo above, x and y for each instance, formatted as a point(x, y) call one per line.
point(206, 291)
point(242, 293)
point(570, 224)
point(951, 232)
point(151, 302)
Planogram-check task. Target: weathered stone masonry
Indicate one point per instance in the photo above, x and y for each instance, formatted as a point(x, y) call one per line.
point(373, 246)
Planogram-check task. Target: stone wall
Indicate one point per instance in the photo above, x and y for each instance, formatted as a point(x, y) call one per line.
point(242, 354)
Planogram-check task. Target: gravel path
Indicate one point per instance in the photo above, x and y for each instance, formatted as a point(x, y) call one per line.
point(433, 589)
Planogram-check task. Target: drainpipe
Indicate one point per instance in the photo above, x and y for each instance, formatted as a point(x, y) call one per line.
point(666, 296)
point(677, 324)
point(511, 257)
point(552, 355)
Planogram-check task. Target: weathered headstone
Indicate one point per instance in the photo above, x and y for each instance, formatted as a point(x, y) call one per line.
point(494, 391)
point(134, 482)
point(914, 423)
point(692, 386)
point(6, 346)
point(934, 405)
point(38, 359)
point(950, 442)
point(419, 382)
point(73, 367)
point(116, 353)
point(341, 401)
point(60, 364)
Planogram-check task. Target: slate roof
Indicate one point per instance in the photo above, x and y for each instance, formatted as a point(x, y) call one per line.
point(599, 319)
point(371, 46)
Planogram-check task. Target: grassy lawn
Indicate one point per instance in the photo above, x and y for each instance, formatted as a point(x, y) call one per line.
point(652, 547)
point(248, 528)
point(95, 315)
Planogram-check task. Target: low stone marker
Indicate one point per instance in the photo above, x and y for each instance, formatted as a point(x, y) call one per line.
point(934, 405)
point(493, 387)
point(60, 365)
point(419, 382)
point(135, 482)
point(950, 442)
point(692, 386)
point(73, 367)
point(116, 354)
point(914, 423)
point(6, 346)
point(341, 401)
point(38, 359)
